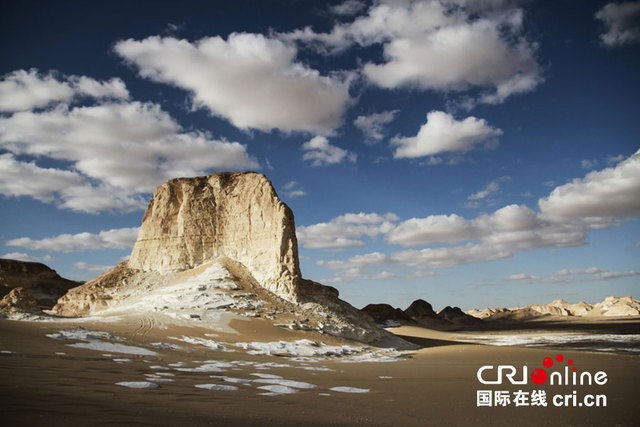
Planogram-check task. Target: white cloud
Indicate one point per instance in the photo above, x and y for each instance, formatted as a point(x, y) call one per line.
point(491, 188)
point(572, 275)
point(588, 164)
point(421, 274)
point(521, 277)
point(344, 231)
point(42, 183)
point(321, 153)
point(442, 133)
point(24, 90)
point(293, 189)
point(436, 45)
point(117, 238)
point(445, 257)
point(91, 267)
point(349, 8)
point(117, 152)
point(611, 192)
point(622, 23)
point(21, 256)
point(359, 262)
point(565, 219)
point(373, 126)
point(427, 258)
point(251, 80)
point(512, 228)
point(383, 275)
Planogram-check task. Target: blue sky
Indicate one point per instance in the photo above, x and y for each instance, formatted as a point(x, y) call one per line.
point(470, 152)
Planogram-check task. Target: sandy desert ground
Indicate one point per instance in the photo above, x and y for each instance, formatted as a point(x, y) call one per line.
point(70, 378)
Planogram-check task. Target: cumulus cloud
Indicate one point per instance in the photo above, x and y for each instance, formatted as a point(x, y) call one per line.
point(91, 267)
point(373, 126)
point(490, 188)
point(349, 8)
point(565, 219)
point(444, 46)
point(621, 22)
point(345, 231)
point(293, 189)
point(21, 256)
point(117, 238)
point(42, 184)
point(116, 153)
point(420, 274)
point(571, 275)
point(512, 228)
point(383, 275)
point(24, 90)
point(611, 192)
point(321, 153)
point(443, 257)
point(442, 133)
point(251, 80)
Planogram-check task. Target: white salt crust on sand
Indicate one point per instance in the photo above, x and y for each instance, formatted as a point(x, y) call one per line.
point(137, 384)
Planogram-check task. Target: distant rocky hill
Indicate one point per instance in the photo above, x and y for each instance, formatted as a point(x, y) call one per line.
point(420, 313)
point(610, 307)
point(31, 281)
point(197, 232)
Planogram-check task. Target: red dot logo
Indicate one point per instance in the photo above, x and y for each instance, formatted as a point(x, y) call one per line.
point(547, 362)
point(559, 358)
point(539, 376)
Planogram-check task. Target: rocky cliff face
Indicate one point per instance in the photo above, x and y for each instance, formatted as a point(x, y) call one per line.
point(229, 221)
point(36, 279)
point(234, 215)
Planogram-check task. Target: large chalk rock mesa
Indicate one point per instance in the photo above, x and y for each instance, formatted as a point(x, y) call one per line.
point(234, 215)
point(237, 221)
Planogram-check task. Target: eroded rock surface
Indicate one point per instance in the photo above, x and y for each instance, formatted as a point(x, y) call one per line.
point(236, 221)
point(235, 215)
point(38, 280)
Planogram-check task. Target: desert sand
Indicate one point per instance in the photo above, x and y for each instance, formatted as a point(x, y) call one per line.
point(45, 381)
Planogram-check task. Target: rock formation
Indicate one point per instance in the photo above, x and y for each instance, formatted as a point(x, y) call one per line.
point(234, 215)
point(19, 300)
point(610, 307)
point(36, 279)
point(226, 221)
point(385, 314)
point(420, 309)
point(420, 313)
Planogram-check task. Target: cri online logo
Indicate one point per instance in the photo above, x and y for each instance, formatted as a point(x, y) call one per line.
point(540, 376)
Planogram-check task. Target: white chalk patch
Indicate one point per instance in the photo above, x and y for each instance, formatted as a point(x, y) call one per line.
point(81, 334)
point(271, 376)
point(159, 368)
point(177, 364)
point(7, 352)
point(60, 353)
point(286, 383)
point(384, 377)
point(116, 348)
point(166, 346)
point(220, 387)
point(123, 360)
point(274, 390)
point(138, 384)
point(213, 345)
point(232, 379)
point(349, 389)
